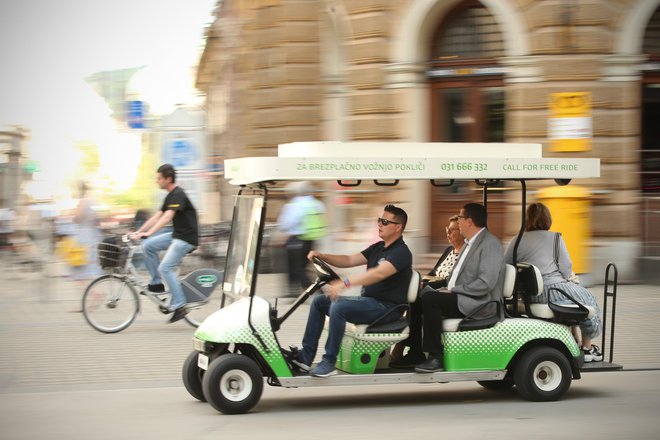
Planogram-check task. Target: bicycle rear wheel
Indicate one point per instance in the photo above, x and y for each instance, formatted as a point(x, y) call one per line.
point(110, 304)
point(198, 312)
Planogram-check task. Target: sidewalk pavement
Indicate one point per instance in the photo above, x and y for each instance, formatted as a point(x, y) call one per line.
point(46, 345)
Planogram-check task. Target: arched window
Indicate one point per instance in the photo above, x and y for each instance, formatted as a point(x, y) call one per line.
point(470, 33)
point(467, 100)
point(466, 81)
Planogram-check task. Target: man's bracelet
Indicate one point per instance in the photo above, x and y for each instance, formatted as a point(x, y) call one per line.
point(346, 281)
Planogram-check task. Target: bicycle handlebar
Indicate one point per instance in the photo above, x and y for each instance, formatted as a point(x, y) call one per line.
point(129, 239)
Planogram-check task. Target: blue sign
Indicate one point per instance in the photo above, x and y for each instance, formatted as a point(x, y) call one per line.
point(135, 114)
point(181, 153)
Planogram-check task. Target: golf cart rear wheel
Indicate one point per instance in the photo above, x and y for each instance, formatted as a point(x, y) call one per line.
point(543, 375)
point(233, 384)
point(192, 376)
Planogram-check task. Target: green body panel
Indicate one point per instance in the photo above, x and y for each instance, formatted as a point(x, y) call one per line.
point(487, 349)
point(360, 356)
point(243, 335)
point(229, 325)
point(493, 348)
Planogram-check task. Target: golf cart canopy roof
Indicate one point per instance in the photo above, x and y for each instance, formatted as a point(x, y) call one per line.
point(406, 161)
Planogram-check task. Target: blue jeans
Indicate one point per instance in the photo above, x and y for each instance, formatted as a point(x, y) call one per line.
point(355, 309)
point(176, 250)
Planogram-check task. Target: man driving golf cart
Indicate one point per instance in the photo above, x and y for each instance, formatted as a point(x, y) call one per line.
point(384, 287)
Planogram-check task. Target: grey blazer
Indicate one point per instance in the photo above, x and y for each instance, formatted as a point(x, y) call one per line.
point(480, 278)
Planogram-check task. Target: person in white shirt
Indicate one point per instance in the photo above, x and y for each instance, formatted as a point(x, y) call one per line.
point(301, 214)
point(473, 289)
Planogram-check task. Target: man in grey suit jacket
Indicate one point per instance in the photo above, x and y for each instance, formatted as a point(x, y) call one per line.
point(474, 285)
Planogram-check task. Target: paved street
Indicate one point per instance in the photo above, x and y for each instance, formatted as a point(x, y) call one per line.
point(615, 405)
point(46, 345)
point(48, 354)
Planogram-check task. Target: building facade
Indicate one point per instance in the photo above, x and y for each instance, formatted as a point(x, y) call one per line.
point(277, 71)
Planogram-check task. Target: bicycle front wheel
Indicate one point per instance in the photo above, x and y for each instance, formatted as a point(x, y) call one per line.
point(110, 304)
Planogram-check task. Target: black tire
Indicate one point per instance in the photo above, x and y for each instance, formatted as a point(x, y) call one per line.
point(543, 374)
point(192, 376)
point(110, 304)
point(233, 384)
point(497, 385)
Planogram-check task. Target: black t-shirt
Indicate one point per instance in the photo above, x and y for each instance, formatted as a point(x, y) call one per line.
point(185, 216)
point(393, 289)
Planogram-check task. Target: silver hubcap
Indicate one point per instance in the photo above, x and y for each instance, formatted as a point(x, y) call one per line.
point(547, 376)
point(235, 385)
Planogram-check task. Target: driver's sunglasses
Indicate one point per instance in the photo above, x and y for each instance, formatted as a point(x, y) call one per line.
point(385, 222)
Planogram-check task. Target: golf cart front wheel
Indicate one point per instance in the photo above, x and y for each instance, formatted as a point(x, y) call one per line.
point(192, 376)
point(543, 375)
point(233, 384)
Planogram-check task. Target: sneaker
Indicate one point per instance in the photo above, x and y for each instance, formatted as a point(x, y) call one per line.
point(178, 314)
point(324, 369)
point(409, 360)
point(592, 354)
point(156, 288)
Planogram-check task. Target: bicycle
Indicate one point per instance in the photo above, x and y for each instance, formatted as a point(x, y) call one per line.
point(112, 302)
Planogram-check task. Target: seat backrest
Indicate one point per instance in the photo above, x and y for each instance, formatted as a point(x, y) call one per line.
point(509, 281)
point(413, 287)
point(529, 279)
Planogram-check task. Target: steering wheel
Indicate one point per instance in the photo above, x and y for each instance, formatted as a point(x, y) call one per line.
point(323, 270)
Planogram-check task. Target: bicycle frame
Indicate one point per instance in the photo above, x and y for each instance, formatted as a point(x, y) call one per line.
point(131, 274)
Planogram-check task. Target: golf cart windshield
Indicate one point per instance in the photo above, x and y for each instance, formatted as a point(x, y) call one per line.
point(243, 244)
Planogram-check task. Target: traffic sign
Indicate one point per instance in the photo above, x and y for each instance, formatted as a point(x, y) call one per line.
point(135, 114)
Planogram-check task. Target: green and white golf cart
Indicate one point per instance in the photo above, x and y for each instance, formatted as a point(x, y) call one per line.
point(237, 347)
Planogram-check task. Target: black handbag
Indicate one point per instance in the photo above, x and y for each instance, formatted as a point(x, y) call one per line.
point(568, 313)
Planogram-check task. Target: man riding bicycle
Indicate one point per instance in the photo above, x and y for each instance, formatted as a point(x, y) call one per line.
point(178, 209)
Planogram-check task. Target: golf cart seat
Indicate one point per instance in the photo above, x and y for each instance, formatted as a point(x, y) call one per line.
point(530, 284)
point(463, 324)
point(386, 331)
point(363, 345)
